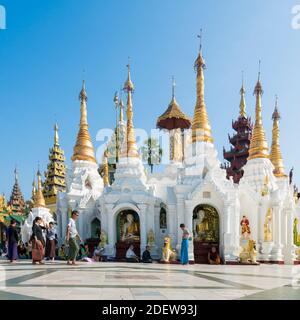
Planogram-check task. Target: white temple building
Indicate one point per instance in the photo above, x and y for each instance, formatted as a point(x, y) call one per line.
point(142, 208)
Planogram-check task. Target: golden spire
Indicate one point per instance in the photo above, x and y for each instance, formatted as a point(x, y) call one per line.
point(258, 145)
point(83, 149)
point(201, 130)
point(105, 170)
point(56, 137)
point(132, 151)
point(39, 200)
point(275, 155)
point(242, 102)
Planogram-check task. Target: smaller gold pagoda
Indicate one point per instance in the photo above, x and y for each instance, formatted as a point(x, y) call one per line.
point(39, 200)
point(55, 174)
point(16, 202)
point(275, 155)
point(83, 149)
point(129, 148)
point(201, 130)
point(258, 145)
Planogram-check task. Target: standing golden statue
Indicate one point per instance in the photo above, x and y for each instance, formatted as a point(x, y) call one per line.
point(268, 226)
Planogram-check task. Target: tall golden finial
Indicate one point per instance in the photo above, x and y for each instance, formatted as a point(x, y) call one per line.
point(56, 137)
point(83, 149)
point(39, 200)
point(243, 102)
point(105, 171)
point(132, 151)
point(275, 155)
point(258, 145)
point(201, 130)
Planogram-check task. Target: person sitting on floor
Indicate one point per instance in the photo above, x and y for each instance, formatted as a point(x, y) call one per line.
point(146, 258)
point(98, 253)
point(213, 256)
point(131, 256)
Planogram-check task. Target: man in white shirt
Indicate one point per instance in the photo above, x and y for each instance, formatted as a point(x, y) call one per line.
point(71, 236)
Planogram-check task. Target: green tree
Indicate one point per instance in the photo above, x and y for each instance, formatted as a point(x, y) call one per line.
point(151, 152)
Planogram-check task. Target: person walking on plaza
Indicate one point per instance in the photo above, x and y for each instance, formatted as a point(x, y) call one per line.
point(71, 236)
point(13, 239)
point(51, 239)
point(184, 256)
point(38, 241)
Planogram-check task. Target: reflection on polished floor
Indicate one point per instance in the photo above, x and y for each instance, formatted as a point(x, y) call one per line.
point(147, 281)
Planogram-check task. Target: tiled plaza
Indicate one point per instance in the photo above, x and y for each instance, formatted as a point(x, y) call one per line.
point(112, 280)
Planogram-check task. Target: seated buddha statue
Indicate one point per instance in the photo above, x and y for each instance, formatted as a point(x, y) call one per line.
point(201, 224)
point(131, 230)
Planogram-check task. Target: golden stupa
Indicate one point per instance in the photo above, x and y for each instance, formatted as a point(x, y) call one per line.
point(275, 155)
point(84, 149)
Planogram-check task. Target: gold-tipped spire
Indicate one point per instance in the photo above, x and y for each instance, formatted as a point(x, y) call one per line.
point(201, 130)
point(275, 155)
point(39, 200)
point(132, 151)
point(105, 170)
point(83, 149)
point(56, 137)
point(243, 102)
point(258, 145)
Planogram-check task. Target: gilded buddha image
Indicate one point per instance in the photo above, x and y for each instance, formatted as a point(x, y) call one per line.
point(206, 224)
point(129, 226)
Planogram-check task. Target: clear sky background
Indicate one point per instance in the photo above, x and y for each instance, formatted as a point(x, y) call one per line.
point(48, 43)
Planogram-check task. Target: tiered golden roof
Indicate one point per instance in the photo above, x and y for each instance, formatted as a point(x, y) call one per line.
point(275, 155)
point(130, 149)
point(56, 171)
point(173, 117)
point(258, 145)
point(84, 149)
point(201, 130)
point(39, 201)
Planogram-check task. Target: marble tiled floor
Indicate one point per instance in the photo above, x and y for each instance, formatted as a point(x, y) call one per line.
point(147, 281)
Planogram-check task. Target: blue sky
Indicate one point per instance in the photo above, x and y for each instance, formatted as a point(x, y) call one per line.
point(47, 44)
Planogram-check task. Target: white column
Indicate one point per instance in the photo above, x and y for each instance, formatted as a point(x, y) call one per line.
point(290, 247)
point(180, 219)
point(188, 221)
point(143, 227)
point(277, 249)
point(172, 224)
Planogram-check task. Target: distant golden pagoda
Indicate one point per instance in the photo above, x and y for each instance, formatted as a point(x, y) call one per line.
point(275, 155)
point(56, 172)
point(84, 149)
point(201, 130)
point(258, 145)
point(130, 148)
point(39, 200)
point(16, 202)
